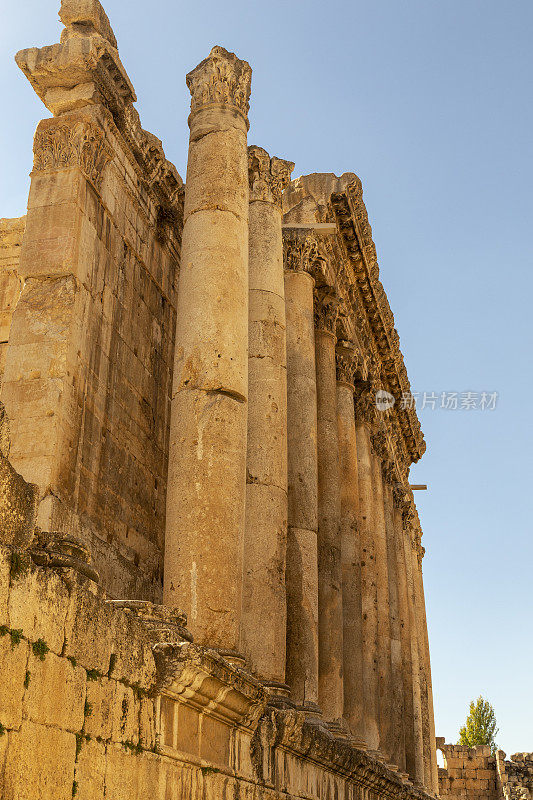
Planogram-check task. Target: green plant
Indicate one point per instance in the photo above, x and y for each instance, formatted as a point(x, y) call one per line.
point(18, 565)
point(4, 630)
point(16, 637)
point(93, 675)
point(112, 662)
point(2, 729)
point(74, 788)
point(88, 709)
point(40, 649)
point(27, 679)
point(129, 745)
point(480, 726)
point(72, 660)
point(79, 744)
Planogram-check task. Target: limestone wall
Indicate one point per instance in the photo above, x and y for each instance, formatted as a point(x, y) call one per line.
point(469, 772)
point(88, 367)
point(92, 707)
point(11, 231)
point(515, 777)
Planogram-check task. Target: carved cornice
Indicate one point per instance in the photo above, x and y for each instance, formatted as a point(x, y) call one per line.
point(82, 144)
point(326, 309)
point(267, 176)
point(303, 251)
point(221, 79)
point(354, 227)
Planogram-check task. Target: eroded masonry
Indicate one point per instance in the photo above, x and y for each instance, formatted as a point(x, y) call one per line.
point(211, 566)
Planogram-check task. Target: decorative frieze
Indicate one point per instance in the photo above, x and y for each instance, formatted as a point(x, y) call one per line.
point(81, 144)
point(267, 176)
point(221, 79)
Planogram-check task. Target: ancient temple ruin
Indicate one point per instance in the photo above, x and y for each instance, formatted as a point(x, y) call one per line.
point(211, 561)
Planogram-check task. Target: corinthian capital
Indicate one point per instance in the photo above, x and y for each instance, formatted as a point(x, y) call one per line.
point(303, 252)
point(365, 404)
point(221, 79)
point(267, 176)
point(349, 362)
point(326, 309)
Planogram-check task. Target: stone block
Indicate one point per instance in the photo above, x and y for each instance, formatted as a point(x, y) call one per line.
point(215, 741)
point(100, 696)
point(90, 771)
point(39, 764)
point(13, 663)
point(38, 603)
point(121, 774)
point(187, 730)
point(147, 727)
point(88, 627)
point(124, 715)
point(5, 564)
point(134, 662)
point(56, 692)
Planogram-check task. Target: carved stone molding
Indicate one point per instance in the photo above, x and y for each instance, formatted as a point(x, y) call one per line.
point(364, 403)
point(326, 309)
point(221, 79)
point(82, 144)
point(347, 361)
point(267, 176)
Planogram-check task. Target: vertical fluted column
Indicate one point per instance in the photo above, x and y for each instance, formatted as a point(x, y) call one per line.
point(364, 410)
point(350, 549)
point(418, 776)
point(207, 456)
point(428, 722)
point(265, 538)
point(397, 739)
point(330, 652)
point(300, 255)
point(408, 720)
point(382, 593)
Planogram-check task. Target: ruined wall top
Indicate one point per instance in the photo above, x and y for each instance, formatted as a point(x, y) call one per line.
point(85, 69)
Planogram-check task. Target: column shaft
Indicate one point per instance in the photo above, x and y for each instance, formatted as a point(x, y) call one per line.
point(265, 538)
point(397, 753)
point(351, 564)
point(330, 669)
point(302, 565)
point(405, 629)
point(428, 722)
point(365, 524)
point(418, 776)
point(207, 456)
point(383, 621)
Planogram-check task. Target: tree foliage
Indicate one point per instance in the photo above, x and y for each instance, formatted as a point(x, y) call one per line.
point(480, 726)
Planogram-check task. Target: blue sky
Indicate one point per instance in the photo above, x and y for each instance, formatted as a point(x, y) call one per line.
point(429, 102)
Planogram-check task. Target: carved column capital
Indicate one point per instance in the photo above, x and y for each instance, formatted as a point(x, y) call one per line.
point(221, 79)
point(78, 142)
point(267, 176)
point(364, 402)
point(326, 309)
point(303, 252)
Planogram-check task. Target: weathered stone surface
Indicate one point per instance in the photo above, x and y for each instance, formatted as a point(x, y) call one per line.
point(39, 763)
point(90, 771)
point(62, 702)
point(5, 566)
point(13, 665)
point(18, 506)
point(38, 606)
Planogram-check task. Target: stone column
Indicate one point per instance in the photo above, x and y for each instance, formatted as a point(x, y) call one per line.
point(397, 737)
point(364, 412)
point(405, 632)
point(428, 721)
point(207, 458)
point(330, 647)
point(350, 549)
point(300, 257)
point(418, 776)
point(265, 537)
point(382, 593)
